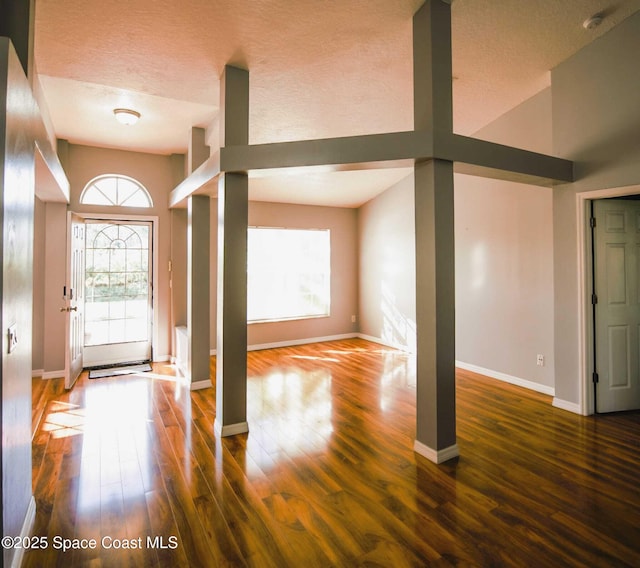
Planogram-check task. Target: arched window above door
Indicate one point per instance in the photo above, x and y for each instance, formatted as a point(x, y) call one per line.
point(115, 190)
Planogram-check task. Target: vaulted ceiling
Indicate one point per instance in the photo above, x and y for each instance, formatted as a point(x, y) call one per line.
point(317, 69)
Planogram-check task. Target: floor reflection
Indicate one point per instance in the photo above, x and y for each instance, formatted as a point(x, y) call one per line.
point(289, 410)
point(116, 453)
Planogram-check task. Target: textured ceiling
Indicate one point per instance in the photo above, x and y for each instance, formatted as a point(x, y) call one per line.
point(318, 69)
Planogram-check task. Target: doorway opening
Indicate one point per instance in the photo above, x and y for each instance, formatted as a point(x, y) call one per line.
point(118, 292)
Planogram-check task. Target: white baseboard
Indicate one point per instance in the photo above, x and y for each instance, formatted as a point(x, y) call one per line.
point(292, 342)
point(308, 340)
point(566, 405)
point(544, 389)
point(230, 429)
point(198, 385)
point(380, 341)
point(162, 359)
point(436, 456)
point(25, 532)
point(53, 375)
point(37, 373)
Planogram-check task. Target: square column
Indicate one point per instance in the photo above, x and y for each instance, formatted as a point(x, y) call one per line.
point(231, 348)
point(435, 261)
point(198, 291)
point(435, 311)
point(233, 199)
point(432, 88)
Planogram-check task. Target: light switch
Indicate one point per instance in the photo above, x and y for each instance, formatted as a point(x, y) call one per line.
point(13, 337)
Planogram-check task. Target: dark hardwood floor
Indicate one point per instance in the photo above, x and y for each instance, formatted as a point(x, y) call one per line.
point(327, 475)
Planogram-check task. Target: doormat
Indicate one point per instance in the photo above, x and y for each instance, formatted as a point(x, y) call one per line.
point(115, 371)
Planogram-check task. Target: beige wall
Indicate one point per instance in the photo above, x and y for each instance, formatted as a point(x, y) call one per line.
point(386, 240)
point(179, 266)
point(504, 270)
point(55, 247)
point(504, 258)
point(344, 269)
point(596, 116)
point(156, 174)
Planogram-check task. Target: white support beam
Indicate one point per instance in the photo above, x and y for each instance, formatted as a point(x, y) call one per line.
point(205, 177)
point(51, 181)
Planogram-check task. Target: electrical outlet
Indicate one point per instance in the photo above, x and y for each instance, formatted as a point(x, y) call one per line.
point(540, 360)
point(353, 319)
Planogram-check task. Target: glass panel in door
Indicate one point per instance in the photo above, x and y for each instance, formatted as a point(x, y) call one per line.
point(118, 314)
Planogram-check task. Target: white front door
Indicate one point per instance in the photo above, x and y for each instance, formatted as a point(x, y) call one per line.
point(74, 299)
point(617, 309)
point(118, 292)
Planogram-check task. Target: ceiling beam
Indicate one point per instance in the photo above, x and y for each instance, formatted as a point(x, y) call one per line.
point(203, 180)
point(377, 151)
point(400, 149)
point(431, 139)
point(488, 159)
point(397, 149)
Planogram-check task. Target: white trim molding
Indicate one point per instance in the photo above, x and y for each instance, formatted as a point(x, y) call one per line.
point(380, 341)
point(436, 456)
point(531, 385)
point(583, 298)
point(199, 385)
point(35, 373)
point(53, 374)
point(155, 268)
point(25, 532)
point(292, 342)
point(230, 429)
point(570, 406)
point(308, 340)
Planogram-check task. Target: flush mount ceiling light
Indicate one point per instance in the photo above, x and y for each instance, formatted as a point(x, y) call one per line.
point(593, 22)
point(126, 116)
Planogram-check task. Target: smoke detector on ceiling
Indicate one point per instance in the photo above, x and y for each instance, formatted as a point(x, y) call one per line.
point(593, 22)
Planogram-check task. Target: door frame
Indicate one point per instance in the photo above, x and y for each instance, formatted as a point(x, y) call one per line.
point(153, 219)
point(585, 289)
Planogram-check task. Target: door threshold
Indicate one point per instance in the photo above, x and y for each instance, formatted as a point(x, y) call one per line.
point(115, 365)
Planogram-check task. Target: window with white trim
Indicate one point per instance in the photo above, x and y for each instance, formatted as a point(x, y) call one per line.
point(115, 190)
point(288, 274)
